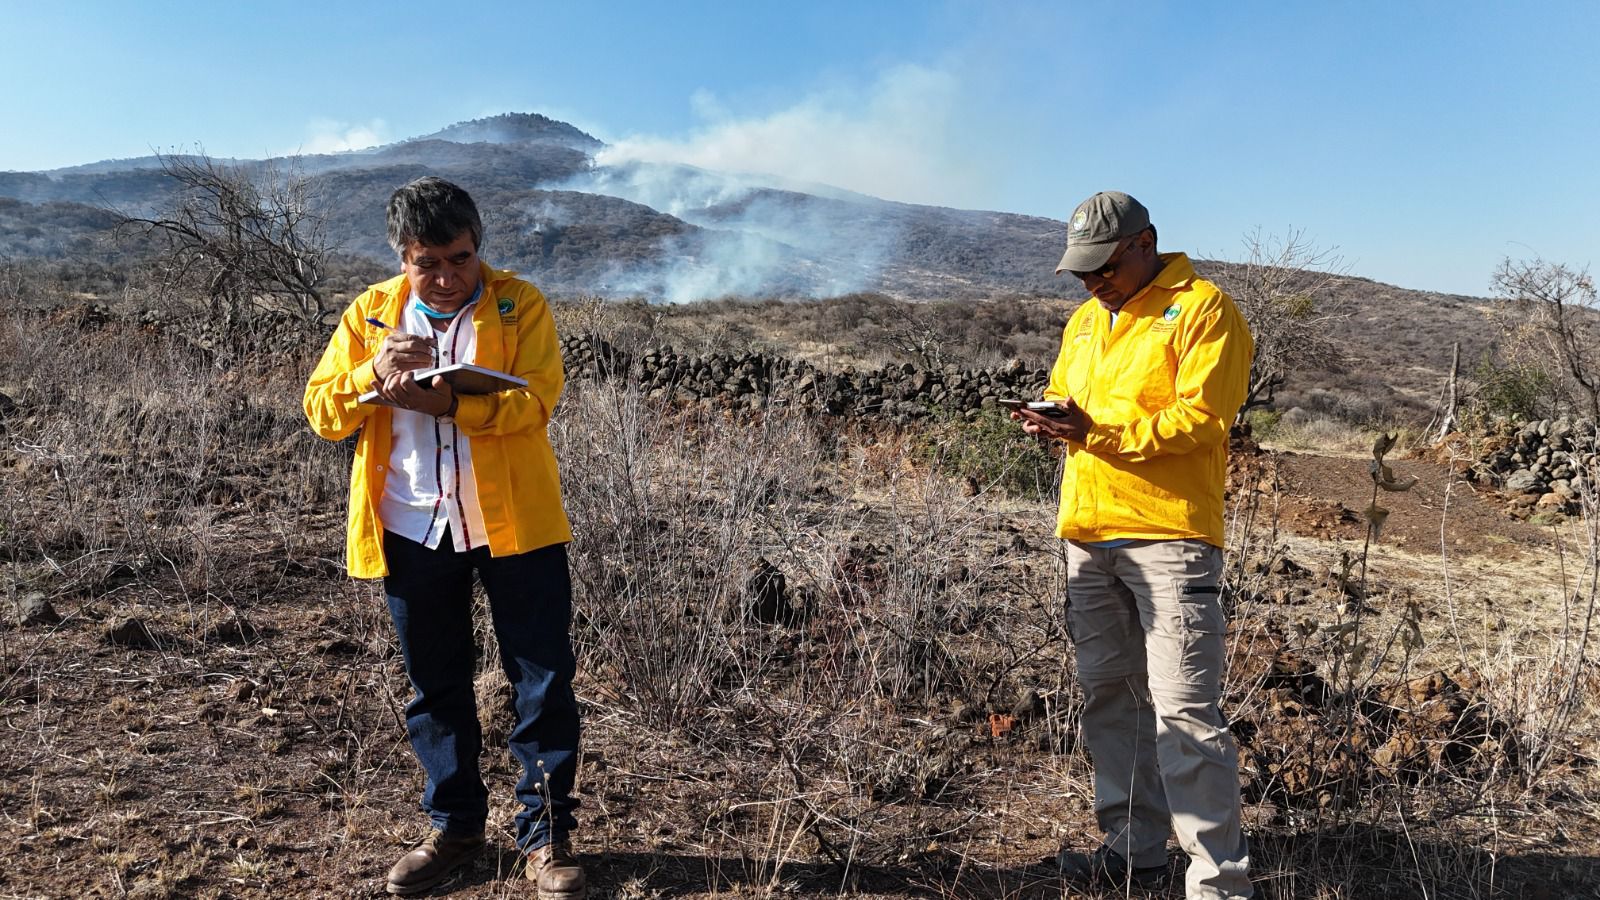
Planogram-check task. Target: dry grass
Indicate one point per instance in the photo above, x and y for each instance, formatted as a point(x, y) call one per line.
point(793, 633)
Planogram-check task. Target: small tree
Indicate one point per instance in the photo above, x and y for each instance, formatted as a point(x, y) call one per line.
point(1283, 289)
point(1558, 315)
point(914, 331)
point(242, 236)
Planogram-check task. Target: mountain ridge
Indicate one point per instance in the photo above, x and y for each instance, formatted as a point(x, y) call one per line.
point(663, 231)
point(576, 226)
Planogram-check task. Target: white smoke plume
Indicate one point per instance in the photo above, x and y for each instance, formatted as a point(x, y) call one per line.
point(330, 136)
point(901, 139)
point(767, 189)
point(751, 239)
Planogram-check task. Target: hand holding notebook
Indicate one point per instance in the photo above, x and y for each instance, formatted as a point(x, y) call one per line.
point(463, 378)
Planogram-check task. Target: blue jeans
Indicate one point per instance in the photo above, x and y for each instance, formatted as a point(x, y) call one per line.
point(530, 601)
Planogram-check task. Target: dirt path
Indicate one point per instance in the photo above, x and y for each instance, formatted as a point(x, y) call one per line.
point(1488, 584)
point(1324, 497)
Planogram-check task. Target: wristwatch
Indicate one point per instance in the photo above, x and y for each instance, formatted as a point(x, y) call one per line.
point(449, 415)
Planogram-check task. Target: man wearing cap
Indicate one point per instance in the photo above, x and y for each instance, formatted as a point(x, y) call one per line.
point(1151, 373)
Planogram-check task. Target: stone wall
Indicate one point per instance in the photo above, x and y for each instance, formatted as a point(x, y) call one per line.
point(901, 393)
point(1541, 464)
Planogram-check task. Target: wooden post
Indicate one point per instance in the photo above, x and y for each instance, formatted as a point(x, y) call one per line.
point(1446, 416)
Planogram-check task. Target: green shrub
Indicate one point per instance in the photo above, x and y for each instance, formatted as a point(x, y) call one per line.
point(993, 452)
point(1263, 422)
point(1518, 392)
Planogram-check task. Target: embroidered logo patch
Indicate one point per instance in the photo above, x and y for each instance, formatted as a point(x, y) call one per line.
point(1080, 222)
point(506, 306)
point(1172, 312)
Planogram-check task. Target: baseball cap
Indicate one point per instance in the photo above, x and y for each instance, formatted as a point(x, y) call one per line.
point(1095, 228)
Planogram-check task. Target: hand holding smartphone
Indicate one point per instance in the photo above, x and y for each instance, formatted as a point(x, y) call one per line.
point(1042, 407)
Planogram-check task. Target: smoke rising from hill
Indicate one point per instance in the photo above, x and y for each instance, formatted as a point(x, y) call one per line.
point(906, 137)
point(764, 190)
point(329, 136)
point(749, 238)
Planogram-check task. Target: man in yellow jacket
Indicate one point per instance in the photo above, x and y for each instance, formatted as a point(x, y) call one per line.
point(446, 486)
point(1151, 373)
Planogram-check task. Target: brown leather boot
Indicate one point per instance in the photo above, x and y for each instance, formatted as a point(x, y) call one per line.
point(432, 862)
point(557, 873)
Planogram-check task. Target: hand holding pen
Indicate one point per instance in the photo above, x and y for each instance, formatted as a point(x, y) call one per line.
point(398, 356)
point(401, 352)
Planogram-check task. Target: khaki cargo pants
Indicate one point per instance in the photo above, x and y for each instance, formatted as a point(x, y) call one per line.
point(1147, 622)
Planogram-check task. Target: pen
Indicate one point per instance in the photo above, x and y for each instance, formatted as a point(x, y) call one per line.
point(379, 323)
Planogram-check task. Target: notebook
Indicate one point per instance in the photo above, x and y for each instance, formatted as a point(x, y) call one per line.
point(464, 378)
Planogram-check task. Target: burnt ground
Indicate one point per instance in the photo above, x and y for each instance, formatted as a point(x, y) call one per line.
point(162, 741)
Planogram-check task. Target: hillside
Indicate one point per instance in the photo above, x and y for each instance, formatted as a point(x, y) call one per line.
point(679, 234)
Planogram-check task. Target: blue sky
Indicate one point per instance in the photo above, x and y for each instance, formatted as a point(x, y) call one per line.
point(1423, 142)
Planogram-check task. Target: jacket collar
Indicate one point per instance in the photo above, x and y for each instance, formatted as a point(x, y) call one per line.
point(1176, 274)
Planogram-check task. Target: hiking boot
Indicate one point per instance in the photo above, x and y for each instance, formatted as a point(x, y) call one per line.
point(557, 873)
point(433, 861)
point(1105, 868)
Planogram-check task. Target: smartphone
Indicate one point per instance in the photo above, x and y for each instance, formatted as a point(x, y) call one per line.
point(1042, 407)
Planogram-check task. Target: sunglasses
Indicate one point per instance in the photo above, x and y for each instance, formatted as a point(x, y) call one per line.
point(1109, 270)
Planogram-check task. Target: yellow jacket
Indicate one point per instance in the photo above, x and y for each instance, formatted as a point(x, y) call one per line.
point(519, 489)
point(1162, 387)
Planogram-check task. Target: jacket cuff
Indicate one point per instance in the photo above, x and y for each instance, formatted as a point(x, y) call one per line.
point(473, 410)
point(364, 376)
point(1103, 438)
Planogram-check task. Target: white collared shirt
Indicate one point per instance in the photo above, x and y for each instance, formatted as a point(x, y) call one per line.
point(430, 484)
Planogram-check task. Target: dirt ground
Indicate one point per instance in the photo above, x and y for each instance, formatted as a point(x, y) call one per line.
point(1324, 497)
point(160, 743)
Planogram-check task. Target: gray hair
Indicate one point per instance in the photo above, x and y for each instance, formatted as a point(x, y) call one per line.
point(433, 212)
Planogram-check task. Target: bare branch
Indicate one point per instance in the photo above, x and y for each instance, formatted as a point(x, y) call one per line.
point(1284, 288)
point(245, 236)
point(1558, 320)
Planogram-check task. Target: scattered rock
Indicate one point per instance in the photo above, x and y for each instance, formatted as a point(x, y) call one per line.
point(766, 594)
point(1522, 482)
point(34, 610)
point(1400, 753)
point(1307, 745)
point(964, 713)
point(132, 633)
point(1285, 567)
point(242, 690)
point(236, 630)
point(338, 646)
point(1028, 705)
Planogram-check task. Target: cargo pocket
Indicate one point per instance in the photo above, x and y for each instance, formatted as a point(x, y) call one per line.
point(1072, 631)
point(1202, 627)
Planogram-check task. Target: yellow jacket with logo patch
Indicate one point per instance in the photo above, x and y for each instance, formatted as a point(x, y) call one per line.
point(513, 465)
point(1162, 387)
